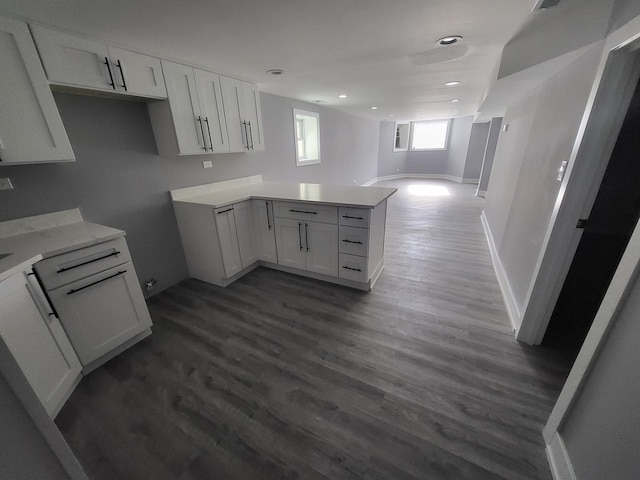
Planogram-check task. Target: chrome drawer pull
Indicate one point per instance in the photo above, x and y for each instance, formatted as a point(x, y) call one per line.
point(354, 218)
point(351, 241)
point(106, 62)
point(350, 268)
point(72, 291)
point(302, 211)
point(65, 269)
point(225, 211)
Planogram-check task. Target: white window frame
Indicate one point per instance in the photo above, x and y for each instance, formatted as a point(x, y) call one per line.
point(401, 135)
point(303, 158)
point(422, 122)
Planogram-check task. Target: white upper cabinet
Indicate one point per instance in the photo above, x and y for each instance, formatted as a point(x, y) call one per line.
point(193, 121)
point(31, 130)
point(243, 114)
point(85, 63)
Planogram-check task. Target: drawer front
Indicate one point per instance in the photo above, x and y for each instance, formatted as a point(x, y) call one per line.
point(306, 211)
point(354, 217)
point(72, 266)
point(352, 267)
point(354, 241)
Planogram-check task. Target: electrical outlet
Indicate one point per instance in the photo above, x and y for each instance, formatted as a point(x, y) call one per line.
point(207, 164)
point(5, 184)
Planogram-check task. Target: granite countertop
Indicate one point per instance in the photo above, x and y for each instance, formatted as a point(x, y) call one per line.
point(220, 195)
point(30, 239)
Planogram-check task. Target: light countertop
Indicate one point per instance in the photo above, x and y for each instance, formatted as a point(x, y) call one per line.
point(211, 196)
point(34, 238)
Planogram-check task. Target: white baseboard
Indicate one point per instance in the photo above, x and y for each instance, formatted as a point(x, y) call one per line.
point(433, 176)
point(481, 193)
point(559, 461)
point(507, 293)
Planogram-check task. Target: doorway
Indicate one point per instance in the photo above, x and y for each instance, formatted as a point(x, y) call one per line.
point(613, 217)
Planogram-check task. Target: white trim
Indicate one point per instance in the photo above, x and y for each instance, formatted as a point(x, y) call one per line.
point(613, 87)
point(432, 176)
point(481, 193)
point(559, 461)
point(505, 287)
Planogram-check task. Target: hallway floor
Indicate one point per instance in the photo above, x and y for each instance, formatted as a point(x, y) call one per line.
point(283, 377)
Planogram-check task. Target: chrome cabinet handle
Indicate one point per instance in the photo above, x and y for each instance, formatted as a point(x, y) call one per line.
point(76, 290)
point(225, 211)
point(351, 268)
point(246, 135)
point(300, 235)
point(250, 134)
point(354, 218)
point(351, 241)
point(124, 82)
point(302, 211)
point(206, 119)
point(204, 142)
point(306, 234)
point(65, 269)
point(266, 203)
point(106, 62)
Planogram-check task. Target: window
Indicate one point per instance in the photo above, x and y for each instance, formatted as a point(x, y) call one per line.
point(306, 127)
point(429, 135)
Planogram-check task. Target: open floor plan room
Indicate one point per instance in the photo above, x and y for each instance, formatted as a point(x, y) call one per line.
point(279, 376)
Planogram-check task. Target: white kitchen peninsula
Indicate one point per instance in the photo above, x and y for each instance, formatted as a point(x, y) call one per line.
point(328, 232)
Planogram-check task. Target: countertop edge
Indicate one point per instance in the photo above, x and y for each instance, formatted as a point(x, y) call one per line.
point(20, 267)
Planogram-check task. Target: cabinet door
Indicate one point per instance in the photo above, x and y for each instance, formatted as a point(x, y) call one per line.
point(212, 110)
point(228, 238)
point(232, 101)
point(290, 242)
point(101, 312)
point(321, 242)
point(31, 129)
point(264, 230)
point(185, 108)
point(246, 244)
point(253, 115)
point(37, 341)
point(72, 60)
point(137, 74)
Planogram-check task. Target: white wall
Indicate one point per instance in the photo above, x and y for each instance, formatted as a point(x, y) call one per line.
point(522, 191)
point(549, 33)
point(602, 431)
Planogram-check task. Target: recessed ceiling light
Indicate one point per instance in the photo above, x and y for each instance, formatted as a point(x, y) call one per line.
point(450, 84)
point(449, 40)
point(455, 100)
point(391, 115)
point(319, 101)
point(275, 71)
point(374, 108)
point(343, 95)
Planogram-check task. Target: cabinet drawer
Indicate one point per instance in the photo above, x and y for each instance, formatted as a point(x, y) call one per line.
point(354, 241)
point(306, 211)
point(354, 217)
point(72, 266)
point(352, 267)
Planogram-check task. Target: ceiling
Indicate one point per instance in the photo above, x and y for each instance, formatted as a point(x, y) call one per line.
point(378, 52)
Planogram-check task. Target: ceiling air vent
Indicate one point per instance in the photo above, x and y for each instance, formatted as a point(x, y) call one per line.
point(544, 4)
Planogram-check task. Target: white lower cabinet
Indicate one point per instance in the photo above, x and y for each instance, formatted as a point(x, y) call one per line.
point(35, 337)
point(264, 230)
point(228, 240)
point(102, 312)
point(246, 243)
point(307, 245)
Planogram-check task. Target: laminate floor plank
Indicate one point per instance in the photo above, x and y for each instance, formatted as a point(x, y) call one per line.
point(283, 377)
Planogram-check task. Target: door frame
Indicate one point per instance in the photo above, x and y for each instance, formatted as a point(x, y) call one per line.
point(611, 93)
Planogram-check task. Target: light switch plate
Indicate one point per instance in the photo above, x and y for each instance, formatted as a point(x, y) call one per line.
point(5, 184)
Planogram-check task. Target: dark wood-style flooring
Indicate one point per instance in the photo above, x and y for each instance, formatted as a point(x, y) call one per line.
point(282, 377)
